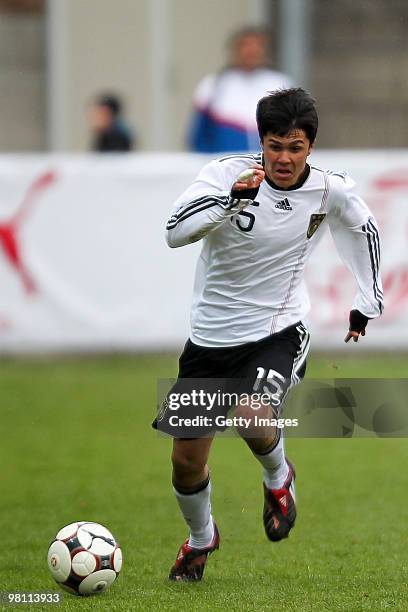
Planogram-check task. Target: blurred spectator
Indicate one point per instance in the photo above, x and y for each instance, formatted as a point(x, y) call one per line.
point(110, 130)
point(225, 103)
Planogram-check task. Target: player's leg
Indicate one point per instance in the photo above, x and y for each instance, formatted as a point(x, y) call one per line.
point(200, 369)
point(192, 487)
point(278, 365)
point(279, 513)
point(267, 446)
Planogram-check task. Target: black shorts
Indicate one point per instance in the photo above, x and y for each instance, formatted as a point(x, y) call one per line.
point(273, 364)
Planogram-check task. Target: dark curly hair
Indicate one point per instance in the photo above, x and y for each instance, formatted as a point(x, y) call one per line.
point(286, 110)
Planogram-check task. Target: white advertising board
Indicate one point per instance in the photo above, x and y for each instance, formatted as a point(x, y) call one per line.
point(84, 265)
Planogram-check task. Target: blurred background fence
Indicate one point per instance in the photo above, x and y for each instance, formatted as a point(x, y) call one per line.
point(55, 55)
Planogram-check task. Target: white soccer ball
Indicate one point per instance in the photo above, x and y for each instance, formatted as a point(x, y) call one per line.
point(84, 558)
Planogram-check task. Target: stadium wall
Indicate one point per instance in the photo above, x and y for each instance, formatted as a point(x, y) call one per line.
point(151, 52)
point(85, 267)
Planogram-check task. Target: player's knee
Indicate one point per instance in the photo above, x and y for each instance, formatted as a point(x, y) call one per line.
point(256, 421)
point(244, 411)
point(186, 462)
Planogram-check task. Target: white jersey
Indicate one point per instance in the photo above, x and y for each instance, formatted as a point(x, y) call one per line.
point(249, 278)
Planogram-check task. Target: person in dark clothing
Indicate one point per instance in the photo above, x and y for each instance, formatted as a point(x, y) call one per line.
point(110, 131)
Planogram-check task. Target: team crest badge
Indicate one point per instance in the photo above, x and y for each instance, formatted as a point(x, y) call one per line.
point(315, 221)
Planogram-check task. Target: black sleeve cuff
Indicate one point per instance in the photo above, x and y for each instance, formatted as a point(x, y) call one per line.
point(244, 194)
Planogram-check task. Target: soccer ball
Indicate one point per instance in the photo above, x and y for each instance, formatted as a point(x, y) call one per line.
point(84, 558)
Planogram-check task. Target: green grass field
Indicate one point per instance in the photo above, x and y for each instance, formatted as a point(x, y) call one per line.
point(76, 444)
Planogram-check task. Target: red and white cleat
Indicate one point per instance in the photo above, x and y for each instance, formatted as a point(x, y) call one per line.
point(279, 512)
point(190, 562)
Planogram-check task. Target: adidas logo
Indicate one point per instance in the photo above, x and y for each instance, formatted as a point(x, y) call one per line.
point(284, 205)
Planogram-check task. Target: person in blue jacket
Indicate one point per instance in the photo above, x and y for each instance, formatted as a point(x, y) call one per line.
point(224, 103)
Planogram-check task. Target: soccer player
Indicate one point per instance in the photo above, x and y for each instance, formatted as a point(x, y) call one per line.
point(248, 319)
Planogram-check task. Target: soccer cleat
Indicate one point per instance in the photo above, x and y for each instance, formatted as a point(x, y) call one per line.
point(190, 562)
point(279, 512)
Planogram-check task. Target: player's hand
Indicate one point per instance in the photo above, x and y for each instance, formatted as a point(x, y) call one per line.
point(251, 178)
point(358, 323)
point(354, 335)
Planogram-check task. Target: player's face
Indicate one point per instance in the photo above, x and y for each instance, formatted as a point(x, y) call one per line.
point(285, 157)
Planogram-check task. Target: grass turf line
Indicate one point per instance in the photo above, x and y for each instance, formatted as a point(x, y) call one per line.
point(76, 444)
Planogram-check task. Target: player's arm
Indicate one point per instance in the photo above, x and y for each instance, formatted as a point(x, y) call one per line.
point(355, 233)
point(209, 202)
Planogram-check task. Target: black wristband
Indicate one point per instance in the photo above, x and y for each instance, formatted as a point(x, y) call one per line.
point(357, 320)
point(244, 194)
